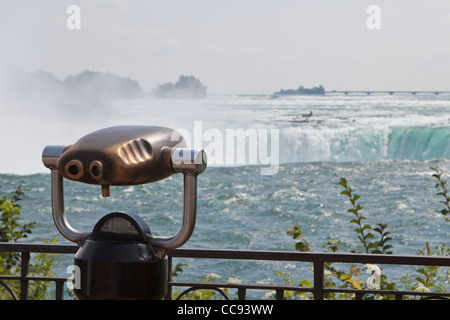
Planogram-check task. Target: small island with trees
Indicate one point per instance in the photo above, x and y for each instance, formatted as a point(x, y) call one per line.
point(320, 90)
point(187, 87)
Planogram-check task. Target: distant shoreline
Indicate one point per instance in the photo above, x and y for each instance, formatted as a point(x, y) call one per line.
point(347, 92)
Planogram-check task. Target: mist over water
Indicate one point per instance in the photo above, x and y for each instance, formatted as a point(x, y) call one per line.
point(326, 128)
point(39, 109)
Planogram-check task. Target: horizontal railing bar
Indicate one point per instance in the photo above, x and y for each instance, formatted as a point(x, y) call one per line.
point(38, 248)
point(311, 256)
point(211, 285)
point(33, 278)
point(253, 255)
point(387, 292)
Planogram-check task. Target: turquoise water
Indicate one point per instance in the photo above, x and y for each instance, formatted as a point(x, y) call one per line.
point(383, 146)
point(240, 209)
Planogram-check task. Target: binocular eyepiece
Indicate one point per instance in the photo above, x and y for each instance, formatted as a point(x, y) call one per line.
point(75, 170)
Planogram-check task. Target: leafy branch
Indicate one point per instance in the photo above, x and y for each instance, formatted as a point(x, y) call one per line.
point(383, 242)
point(443, 191)
point(362, 229)
point(297, 234)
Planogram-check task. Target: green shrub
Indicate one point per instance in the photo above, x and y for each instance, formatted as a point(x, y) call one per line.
point(13, 229)
point(430, 278)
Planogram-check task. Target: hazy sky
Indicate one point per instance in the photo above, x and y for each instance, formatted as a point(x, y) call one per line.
point(234, 46)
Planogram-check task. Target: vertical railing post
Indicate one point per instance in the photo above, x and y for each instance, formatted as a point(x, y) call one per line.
point(318, 280)
point(241, 293)
point(169, 279)
point(25, 259)
point(59, 291)
point(279, 294)
point(359, 296)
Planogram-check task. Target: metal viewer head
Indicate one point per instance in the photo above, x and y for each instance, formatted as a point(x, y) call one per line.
point(121, 156)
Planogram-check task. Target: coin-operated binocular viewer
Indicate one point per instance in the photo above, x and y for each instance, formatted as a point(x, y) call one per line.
point(120, 258)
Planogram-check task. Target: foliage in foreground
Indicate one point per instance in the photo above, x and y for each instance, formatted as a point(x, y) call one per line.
point(441, 187)
point(13, 229)
point(429, 278)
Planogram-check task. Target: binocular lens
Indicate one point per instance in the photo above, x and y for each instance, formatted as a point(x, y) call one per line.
point(74, 169)
point(96, 170)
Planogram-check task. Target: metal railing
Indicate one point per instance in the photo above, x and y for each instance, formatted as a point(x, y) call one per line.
point(25, 250)
point(317, 259)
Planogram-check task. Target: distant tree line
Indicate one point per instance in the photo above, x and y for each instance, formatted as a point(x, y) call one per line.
point(320, 90)
point(86, 85)
point(93, 83)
